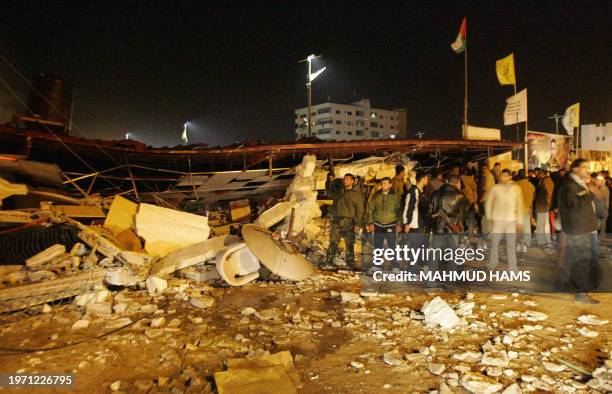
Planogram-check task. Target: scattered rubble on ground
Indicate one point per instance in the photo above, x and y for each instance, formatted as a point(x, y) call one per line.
point(205, 304)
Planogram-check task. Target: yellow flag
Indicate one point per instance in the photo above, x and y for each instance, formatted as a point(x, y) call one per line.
point(571, 118)
point(505, 70)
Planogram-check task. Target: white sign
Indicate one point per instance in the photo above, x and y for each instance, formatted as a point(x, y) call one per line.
point(516, 108)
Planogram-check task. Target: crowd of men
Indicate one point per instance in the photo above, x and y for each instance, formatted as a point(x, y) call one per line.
point(439, 209)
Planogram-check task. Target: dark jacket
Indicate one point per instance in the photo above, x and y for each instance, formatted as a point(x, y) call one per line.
point(450, 203)
point(544, 195)
point(384, 208)
point(410, 207)
point(576, 208)
point(348, 203)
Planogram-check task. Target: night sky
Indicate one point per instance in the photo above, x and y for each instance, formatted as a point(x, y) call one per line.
point(147, 67)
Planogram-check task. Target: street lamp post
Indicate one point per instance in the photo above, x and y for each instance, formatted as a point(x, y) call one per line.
point(311, 77)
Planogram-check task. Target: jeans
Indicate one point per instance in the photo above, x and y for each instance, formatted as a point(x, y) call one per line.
point(384, 233)
point(526, 238)
point(580, 261)
point(444, 241)
point(542, 228)
point(499, 229)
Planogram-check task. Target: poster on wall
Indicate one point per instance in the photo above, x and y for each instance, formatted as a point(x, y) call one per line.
point(548, 151)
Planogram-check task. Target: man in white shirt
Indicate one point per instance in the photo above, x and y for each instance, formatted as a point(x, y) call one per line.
point(504, 207)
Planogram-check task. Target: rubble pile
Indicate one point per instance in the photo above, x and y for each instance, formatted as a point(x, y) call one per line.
point(251, 313)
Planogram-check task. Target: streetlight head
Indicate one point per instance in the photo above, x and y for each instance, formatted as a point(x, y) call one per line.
point(310, 57)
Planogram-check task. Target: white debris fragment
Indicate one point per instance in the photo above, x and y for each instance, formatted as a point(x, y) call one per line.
point(465, 308)
point(470, 357)
point(392, 358)
point(158, 322)
point(349, 297)
point(116, 385)
point(495, 358)
point(512, 389)
point(156, 285)
point(83, 323)
point(357, 365)
point(534, 315)
point(552, 367)
point(436, 368)
point(603, 375)
point(499, 296)
point(591, 320)
point(46, 308)
point(202, 302)
point(585, 332)
point(480, 384)
point(437, 312)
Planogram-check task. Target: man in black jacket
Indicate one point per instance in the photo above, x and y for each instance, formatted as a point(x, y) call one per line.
point(448, 208)
point(579, 226)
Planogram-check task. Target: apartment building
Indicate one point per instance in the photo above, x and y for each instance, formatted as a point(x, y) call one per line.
point(352, 121)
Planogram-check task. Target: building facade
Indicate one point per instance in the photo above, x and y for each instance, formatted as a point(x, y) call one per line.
point(353, 121)
point(597, 137)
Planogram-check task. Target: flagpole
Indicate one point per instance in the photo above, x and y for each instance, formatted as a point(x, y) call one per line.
point(465, 98)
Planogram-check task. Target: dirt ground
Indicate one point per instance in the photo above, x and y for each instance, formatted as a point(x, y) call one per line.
point(323, 333)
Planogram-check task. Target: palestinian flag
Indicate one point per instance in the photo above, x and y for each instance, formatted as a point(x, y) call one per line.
point(461, 42)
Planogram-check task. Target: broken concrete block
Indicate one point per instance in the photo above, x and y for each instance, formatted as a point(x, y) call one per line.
point(166, 230)
point(438, 313)
point(46, 255)
point(202, 274)
point(156, 285)
point(202, 302)
point(275, 214)
point(189, 256)
point(237, 265)
point(83, 323)
point(46, 308)
point(101, 309)
point(480, 384)
point(95, 240)
point(512, 389)
point(158, 322)
point(349, 297)
point(591, 320)
point(120, 216)
point(307, 166)
point(392, 358)
point(120, 307)
point(552, 367)
point(495, 358)
point(121, 276)
point(436, 369)
point(357, 365)
point(267, 373)
point(116, 385)
point(94, 296)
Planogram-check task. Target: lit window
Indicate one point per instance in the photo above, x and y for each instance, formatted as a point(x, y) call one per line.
point(373, 115)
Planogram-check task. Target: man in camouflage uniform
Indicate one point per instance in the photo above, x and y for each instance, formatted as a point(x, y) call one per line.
point(384, 216)
point(347, 217)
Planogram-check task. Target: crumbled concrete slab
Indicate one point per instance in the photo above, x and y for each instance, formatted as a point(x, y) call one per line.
point(438, 313)
point(156, 285)
point(166, 230)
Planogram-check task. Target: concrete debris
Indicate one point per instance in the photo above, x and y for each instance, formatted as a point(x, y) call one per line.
point(585, 332)
point(100, 309)
point(552, 367)
point(46, 308)
point(512, 389)
point(480, 384)
point(469, 356)
point(121, 276)
point(45, 256)
point(268, 373)
point(438, 313)
point(156, 285)
point(349, 297)
point(592, 320)
point(465, 308)
point(534, 315)
point(495, 358)
point(189, 256)
point(603, 378)
point(116, 385)
point(166, 230)
point(83, 323)
point(357, 365)
point(275, 214)
point(436, 368)
point(392, 358)
point(202, 302)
